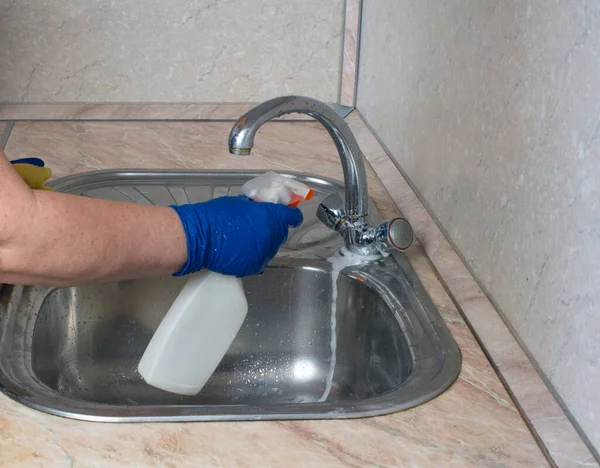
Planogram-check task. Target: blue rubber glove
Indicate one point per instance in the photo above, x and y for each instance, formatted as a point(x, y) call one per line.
point(32, 161)
point(234, 235)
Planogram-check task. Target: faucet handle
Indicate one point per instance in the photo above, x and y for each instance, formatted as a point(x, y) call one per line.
point(331, 211)
point(394, 234)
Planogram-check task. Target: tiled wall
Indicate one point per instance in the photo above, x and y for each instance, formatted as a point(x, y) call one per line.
point(492, 109)
point(169, 51)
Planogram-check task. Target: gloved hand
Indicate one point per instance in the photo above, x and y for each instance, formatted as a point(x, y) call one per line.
point(233, 235)
point(33, 172)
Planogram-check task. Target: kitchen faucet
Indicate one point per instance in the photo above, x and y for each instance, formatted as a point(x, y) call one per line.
point(348, 217)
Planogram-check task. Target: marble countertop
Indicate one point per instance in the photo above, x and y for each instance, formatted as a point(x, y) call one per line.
point(473, 424)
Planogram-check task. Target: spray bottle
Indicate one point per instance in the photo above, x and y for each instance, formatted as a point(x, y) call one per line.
point(208, 313)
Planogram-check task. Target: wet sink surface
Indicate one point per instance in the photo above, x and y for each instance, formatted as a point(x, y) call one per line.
point(74, 351)
point(88, 341)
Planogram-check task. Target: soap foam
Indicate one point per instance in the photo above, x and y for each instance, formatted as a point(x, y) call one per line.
point(340, 260)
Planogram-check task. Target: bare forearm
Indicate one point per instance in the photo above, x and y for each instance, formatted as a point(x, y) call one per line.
point(58, 239)
point(65, 240)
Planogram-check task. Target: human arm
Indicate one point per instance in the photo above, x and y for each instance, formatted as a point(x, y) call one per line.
point(60, 239)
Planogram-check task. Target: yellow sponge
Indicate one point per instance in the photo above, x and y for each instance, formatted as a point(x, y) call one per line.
point(34, 176)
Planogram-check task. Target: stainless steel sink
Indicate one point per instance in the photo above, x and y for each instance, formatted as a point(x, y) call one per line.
point(74, 351)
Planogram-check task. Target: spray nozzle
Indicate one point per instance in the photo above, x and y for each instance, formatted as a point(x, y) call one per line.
point(275, 188)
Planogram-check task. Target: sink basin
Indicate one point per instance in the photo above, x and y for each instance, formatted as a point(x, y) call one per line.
point(74, 351)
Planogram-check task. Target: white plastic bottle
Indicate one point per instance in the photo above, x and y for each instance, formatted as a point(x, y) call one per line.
point(204, 319)
point(195, 334)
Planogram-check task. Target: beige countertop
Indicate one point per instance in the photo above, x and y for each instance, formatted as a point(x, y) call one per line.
point(473, 424)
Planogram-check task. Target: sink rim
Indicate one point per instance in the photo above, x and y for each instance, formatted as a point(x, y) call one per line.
point(420, 386)
point(51, 401)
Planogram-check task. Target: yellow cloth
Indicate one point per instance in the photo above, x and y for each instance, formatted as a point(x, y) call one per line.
point(34, 176)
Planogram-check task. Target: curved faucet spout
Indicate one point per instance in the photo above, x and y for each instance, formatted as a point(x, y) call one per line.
point(349, 216)
point(241, 140)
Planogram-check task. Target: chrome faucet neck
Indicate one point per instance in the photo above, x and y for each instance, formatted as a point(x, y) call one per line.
point(241, 141)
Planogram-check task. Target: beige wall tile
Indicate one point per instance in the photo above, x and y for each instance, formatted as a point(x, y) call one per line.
point(492, 110)
point(176, 51)
point(528, 390)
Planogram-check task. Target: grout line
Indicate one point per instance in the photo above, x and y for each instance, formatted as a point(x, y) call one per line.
point(497, 309)
point(142, 119)
point(132, 112)
point(351, 23)
point(34, 112)
point(342, 54)
point(357, 60)
point(6, 134)
point(130, 103)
